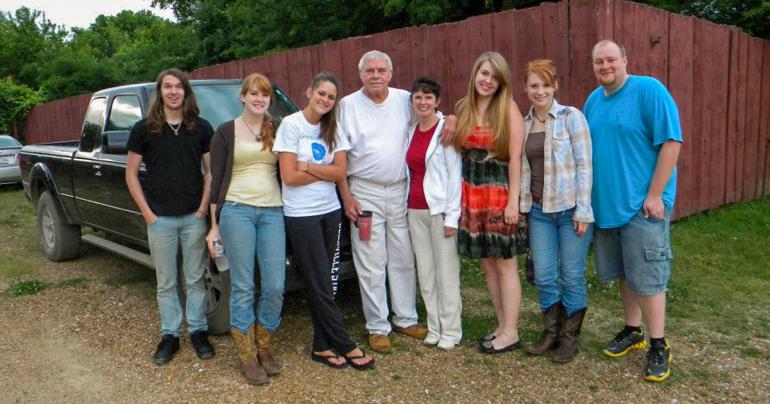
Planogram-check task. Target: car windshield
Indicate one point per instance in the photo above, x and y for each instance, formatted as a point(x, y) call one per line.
point(220, 103)
point(7, 142)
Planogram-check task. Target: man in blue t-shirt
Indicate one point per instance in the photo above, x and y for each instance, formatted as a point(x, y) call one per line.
point(636, 139)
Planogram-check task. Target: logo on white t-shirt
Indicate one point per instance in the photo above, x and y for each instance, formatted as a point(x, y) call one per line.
point(319, 151)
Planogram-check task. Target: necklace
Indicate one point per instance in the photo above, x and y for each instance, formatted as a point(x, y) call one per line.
point(257, 137)
point(538, 118)
point(176, 130)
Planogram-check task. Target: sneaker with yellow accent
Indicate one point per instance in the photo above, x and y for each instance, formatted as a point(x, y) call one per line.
point(658, 362)
point(624, 342)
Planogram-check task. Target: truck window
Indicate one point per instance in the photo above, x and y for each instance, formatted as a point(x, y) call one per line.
point(92, 125)
point(124, 113)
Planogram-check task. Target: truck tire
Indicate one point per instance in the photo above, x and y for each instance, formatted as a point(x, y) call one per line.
point(217, 300)
point(59, 240)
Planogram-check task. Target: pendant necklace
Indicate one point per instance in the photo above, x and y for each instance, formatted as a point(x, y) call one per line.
point(256, 136)
point(538, 118)
point(176, 130)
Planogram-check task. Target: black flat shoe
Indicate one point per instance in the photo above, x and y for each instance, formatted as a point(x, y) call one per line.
point(324, 359)
point(167, 347)
point(201, 345)
point(487, 347)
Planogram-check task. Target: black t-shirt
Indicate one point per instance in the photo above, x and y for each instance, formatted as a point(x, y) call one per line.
point(174, 173)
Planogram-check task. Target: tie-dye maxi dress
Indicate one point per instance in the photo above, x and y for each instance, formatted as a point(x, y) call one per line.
point(483, 231)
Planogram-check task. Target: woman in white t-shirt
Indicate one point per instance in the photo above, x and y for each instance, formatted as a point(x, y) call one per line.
point(311, 156)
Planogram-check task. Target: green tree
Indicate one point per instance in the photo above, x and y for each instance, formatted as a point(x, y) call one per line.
point(27, 40)
point(16, 100)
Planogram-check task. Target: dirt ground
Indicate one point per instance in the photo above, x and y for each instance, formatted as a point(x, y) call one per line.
point(89, 338)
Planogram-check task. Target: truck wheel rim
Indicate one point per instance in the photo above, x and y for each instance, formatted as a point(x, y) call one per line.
point(49, 234)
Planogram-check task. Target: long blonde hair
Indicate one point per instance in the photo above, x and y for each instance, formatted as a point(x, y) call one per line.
point(497, 114)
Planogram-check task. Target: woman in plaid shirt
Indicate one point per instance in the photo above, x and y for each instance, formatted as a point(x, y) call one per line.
point(556, 190)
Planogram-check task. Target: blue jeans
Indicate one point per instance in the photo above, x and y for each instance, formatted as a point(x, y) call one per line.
point(560, 258)
point(250, 232)
point(164, 237)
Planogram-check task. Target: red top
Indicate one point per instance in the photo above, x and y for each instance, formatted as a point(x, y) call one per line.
point(415, 159)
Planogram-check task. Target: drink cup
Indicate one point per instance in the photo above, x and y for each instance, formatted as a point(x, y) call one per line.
point(364, 224)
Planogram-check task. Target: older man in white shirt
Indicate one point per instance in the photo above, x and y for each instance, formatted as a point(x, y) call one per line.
point(375, 120)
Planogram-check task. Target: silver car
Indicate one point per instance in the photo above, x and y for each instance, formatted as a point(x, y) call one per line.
point(9, 160)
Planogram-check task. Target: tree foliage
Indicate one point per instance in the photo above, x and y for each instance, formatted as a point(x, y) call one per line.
point(15, 102)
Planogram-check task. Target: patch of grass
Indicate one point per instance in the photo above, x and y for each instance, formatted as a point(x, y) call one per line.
point(27, 287)
point(751, 352)
point(73, 283)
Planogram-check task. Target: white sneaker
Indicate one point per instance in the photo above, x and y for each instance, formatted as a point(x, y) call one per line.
point(430, 340)
point(446, 345)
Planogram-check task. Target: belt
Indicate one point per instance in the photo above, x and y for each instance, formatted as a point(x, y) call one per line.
point(536, 199)
point(377, 183)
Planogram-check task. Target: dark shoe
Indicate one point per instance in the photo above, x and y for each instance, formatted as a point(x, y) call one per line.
point(550, 338)
point(624, 342)
point(167, 347)
point(324, 359)
point(658, 363)
point(417, 331)
point(247, 353)
point(200, 342)
point(568, 336)
point(365, 366)
point(487, 347)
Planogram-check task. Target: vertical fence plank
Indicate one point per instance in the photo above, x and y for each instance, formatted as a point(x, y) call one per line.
point(330, 59)
point(751, 164)
point(764, 145)
point(714, 92)
point(459, 59)
point(681, 67)
point(299, 67)
point(741, 126)
point(555, 27)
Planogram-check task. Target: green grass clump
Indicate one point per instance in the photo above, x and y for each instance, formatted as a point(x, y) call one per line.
point(30, 287)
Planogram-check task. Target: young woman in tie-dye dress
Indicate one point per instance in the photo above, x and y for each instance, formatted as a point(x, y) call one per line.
point(490, 133)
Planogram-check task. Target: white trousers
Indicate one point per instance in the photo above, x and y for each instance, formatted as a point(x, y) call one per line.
point(387, 255)
point(438, 268)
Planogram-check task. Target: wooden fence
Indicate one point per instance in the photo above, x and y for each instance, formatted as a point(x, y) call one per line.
point(719, 77)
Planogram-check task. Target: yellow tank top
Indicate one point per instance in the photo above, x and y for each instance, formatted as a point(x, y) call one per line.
point(254, 181)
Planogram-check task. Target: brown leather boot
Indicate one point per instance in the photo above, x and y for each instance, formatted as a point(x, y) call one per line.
point(272, 368)
point(568, 337)
point(550, 338)
point(247, 353)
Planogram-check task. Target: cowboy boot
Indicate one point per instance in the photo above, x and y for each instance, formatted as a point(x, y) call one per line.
point(247, 353)
point(550, 338)
point(272, 368)
point(568, 337)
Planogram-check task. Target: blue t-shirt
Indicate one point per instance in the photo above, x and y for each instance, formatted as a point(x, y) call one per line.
point(628, 128)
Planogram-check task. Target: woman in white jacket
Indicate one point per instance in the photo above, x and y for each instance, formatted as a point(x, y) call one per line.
point(435, 187)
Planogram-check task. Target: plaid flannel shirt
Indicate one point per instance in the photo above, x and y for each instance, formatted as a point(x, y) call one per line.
point(567, 166)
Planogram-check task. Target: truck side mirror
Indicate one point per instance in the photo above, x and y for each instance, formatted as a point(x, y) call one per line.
point(115, 142)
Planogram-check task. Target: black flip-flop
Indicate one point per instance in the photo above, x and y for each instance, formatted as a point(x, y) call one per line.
point(324, 359)
point(365, 366)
